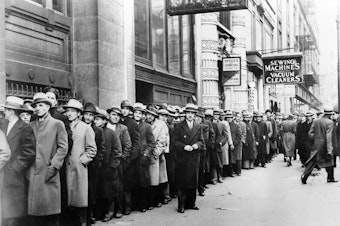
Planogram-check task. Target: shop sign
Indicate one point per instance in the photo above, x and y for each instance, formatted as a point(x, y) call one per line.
point(231, 71)
point(182, 7)
point(282, 69)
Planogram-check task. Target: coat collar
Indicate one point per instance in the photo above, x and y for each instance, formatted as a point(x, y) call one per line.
point(16, 129)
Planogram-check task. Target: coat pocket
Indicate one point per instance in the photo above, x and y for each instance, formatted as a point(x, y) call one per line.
point(13, 179)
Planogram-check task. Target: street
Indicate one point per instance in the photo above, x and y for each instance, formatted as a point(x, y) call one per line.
point(271, 196)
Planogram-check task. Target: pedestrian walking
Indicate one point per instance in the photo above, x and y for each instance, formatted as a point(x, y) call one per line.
point(44, 193)
point(21, 140)
point(83, 152)
point(288, 130)
point(304, 142)
point(188, 142)
point(322, 152)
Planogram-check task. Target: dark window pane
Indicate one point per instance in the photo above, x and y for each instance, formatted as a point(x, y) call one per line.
point(142, 38)
point(173, 44)
point(187, 55)
point(158, 32)
point(57, 5)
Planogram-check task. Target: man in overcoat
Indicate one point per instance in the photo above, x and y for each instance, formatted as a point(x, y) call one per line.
point(249, 146)
point(44, 199)
point(304, 142)
point(157, 168)
point(188, 142)
point(89, 113)
point(21, 140)
point(108, 186)
point(322, 152)
point(210, 145)
point(263, 138)
point(236, 135)
point(129, 172)
point(83, 151)
point(115, 114)
point(143, 160)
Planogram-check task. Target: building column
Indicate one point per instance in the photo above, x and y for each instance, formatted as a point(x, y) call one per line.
point(103, 41)
point(239, 94)
point(2, 53)
point(209, 60)
point(260, 93)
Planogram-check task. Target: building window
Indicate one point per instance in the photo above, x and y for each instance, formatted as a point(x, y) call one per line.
point(259, 31)
point(37, 1)
point(158, 33)
point(142, 35)
point(162, 41)
point(58, 5)
point(173, 44)
point(225, 19)
point(187, 48)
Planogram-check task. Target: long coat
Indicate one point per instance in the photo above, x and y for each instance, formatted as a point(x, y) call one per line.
point(45, 197)
point(236, 136)
point(5, 154)
point(288, 129)
point(109, 184)
point(157, 169)
point(225, 147)
point(303, 141)
point(220, 140)
point(147, 146)
point(210, 144)
point(263, 138)
point(14, 195)
point(321, 132)
point(187, 163)
point(83, 151)
point(248, 150)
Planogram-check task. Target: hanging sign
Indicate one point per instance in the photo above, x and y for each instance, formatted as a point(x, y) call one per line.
point(182, 7)
point(231, 71)
point(282, 69)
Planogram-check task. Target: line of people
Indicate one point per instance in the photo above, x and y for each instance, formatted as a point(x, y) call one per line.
point(75, 164)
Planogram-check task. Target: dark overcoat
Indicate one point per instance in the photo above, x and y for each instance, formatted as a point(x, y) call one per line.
point(304, 142)
point(288, 137)
point(248, 152)
point(263, 137)
point(51, 149)
point(321, 132)
point(236, 136)
point(210, 144)
point(147, 145)
point(187, 163)
point(221, 139)
point(256, 132)
point(14, 195)
point(109, 184)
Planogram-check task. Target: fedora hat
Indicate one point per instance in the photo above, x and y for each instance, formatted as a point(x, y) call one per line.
point(163, 112)
point(328, 111)
point(102, 114)
point(171, 110)
point(89, 107)
point(309, 113)
point(28, 108)
point(216, 111)
point(246, 114)
point(114, 109)
point(191, 108)
point(229, 114)
point(209, 112)
point(152, 110)
point(40, 98)
point(126, 103)
point(73, 103)
point(13, 102)
point(257, 114)
point(139, 107)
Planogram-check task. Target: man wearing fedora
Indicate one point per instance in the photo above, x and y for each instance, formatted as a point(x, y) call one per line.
point(188, 142)
point(147, 146)
point(262, 138)
point(21, 140)
point(27, 111)
point(304, 142)
point(83, 151)
point(44, 181)
point(108, 180)
point(322, 152)
point(130, 176)
point(89, 113)
point(209, 114)
point(115, 115)
point(157, 168)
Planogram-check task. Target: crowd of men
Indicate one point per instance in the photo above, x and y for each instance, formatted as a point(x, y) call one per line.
point(75, 164)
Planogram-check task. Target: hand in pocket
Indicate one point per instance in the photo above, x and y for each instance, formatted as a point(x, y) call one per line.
point(51, 172)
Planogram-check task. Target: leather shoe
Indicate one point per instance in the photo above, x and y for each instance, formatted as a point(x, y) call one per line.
point(201, 193)
point(181, 210)
point(108, 217)
point(303, 179)
point(158, 205)
point(193, 208)
point(143, 210)
point(127, 212)
point(165, 201)
point(332, 180)
point(219, 180)
point(118, 215)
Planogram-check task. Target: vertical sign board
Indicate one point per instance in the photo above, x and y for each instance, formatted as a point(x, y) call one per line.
point(282, 69)
point(183, 7)
point(231, 71)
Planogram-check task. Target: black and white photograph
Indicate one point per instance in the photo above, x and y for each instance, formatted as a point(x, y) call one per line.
point(169, 112)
